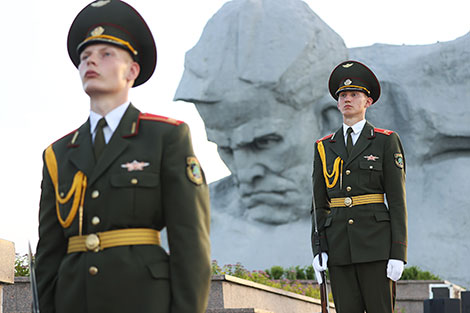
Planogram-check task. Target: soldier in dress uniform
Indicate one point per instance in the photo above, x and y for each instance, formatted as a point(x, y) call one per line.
point(113, 184)
point(359, 198)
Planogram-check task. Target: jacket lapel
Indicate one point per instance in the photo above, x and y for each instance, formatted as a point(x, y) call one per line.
point(118, 143)
point(338, 146)
point(81, 150)
point(362, 143)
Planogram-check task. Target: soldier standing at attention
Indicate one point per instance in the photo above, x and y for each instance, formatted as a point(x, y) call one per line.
point(363, 240)
point(113, 184)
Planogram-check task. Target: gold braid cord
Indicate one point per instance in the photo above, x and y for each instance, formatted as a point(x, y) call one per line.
point(336, 167)
point(77, 190)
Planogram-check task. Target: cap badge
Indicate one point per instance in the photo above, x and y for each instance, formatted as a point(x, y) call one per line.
point(371, 157)
point(347, 82)
point(135, 166)
point(97, 31)
point(194, 171)
point(100, 3)
point(348, 65)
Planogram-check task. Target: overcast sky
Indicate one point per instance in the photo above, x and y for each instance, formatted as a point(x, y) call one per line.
point(42, 99)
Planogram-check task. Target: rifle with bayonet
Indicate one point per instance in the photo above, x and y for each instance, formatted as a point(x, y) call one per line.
point(34, 287)
point(325, 305)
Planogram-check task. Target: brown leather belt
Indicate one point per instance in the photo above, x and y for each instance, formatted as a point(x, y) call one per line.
point(113, 238)
point(357, 200)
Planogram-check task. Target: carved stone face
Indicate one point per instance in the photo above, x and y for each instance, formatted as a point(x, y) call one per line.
point(268, 148)
point(256, 86)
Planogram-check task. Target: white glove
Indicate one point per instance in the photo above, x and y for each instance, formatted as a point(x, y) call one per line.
point(320, 268)
point(395, 269)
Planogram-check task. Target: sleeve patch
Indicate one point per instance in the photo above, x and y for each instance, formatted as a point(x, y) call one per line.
point(398, 160)
point(194, 171)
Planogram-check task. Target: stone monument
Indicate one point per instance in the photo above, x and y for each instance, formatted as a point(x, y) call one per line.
point(258, 77)
point(255, 76)
point(426, 98)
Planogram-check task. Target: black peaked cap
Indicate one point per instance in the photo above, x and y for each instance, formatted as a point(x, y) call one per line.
point(352, 75)
point(114, 22)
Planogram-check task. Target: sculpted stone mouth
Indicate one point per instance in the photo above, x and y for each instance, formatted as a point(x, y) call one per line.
point(450, 146)
point(266, 192)
point(274, 198)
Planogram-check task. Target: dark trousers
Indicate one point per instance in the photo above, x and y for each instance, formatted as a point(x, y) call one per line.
point(362, 287)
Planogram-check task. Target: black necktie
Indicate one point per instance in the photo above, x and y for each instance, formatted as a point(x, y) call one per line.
point(100, 143)
point(349, 144)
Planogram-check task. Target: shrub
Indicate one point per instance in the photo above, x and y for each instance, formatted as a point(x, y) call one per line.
point(21, 265)
point(415, 273)
point(276, 272)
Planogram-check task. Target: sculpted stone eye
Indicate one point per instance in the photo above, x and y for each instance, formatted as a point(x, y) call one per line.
point(227, 150)
point(266, 141)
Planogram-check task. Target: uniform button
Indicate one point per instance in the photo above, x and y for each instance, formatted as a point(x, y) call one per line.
point(95, 194)
point(371, 166)
point(61, 194)
point(134, 181)
point(348, 188)
point(95, 220)
point(348, 172)
point(93, 270)
point(351, 221)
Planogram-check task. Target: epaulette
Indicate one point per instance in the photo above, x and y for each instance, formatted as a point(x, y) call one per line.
point(325, 138)
point(159, 118)
point(73, 139)
point(383, 131)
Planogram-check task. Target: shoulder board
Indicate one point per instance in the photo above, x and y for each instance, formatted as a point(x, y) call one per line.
point(383, 131)
point(325, 138)
point(159, 118)
point(75, 132)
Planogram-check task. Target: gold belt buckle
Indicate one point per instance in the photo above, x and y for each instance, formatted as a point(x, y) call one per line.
point(348, 201)
point(92, 243)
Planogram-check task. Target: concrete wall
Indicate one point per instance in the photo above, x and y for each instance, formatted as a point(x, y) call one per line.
point(7, 267)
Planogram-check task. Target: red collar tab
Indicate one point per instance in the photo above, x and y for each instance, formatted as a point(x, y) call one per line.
point(325, 138)
point(383, 131)
point(159, 118)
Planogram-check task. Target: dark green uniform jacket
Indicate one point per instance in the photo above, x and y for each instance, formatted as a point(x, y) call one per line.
point(127, 279)
point(369, 232)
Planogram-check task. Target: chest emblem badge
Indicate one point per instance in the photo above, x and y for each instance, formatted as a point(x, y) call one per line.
point(371, 157)
point(135, 166)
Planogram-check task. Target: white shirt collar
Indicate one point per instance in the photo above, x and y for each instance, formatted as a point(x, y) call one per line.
point(357, 128)
point(112, 118)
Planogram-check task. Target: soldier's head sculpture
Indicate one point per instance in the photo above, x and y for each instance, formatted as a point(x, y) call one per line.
point(256, 77)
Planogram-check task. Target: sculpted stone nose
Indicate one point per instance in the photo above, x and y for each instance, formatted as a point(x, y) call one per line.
point(249, 177)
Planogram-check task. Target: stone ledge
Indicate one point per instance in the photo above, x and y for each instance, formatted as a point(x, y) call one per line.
point(229, 292)
point(420, 289)
point(234, 295)
point(250, 310)
point(278, 291)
